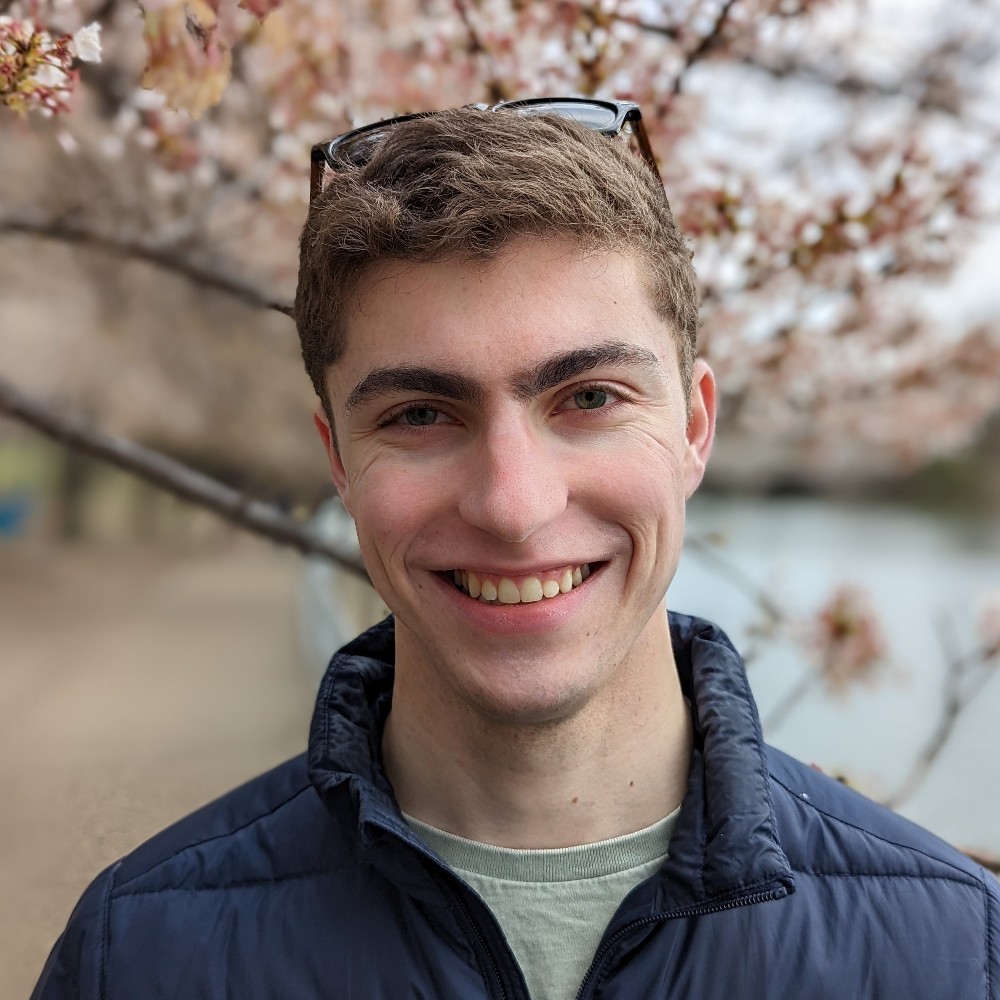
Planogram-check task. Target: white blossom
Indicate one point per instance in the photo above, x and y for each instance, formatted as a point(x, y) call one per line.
point(86, 44)
point(147, 100)
point(50, 76)
point(811, 233)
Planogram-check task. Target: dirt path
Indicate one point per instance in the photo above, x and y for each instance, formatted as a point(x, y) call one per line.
point(134, 686)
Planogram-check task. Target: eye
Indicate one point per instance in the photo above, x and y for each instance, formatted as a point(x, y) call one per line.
point(413, 415)
point(419, 416)
point(590, 399)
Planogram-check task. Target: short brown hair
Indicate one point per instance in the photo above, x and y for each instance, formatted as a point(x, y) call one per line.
point(462, 185)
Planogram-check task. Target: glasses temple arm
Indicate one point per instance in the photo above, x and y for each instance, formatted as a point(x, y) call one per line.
point(316, 178)
point(645, 149)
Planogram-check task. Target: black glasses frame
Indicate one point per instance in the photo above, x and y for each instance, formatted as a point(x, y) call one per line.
point(335, 153)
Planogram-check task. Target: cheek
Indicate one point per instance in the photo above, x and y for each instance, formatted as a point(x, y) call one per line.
point(394, 506)
point(647, 480)
point(644, 492)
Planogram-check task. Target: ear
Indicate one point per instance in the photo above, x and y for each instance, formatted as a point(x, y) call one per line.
point(328, 437)
point(701, 426)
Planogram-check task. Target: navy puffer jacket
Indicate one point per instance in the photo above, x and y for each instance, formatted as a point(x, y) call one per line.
point(307, 883)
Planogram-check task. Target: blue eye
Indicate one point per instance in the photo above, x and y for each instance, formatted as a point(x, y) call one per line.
point(590, 399)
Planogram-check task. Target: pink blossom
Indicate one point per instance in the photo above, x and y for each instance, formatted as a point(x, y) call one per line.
point(36, 69)
point(848, 637)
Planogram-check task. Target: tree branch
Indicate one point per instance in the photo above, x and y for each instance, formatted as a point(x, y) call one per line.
point(789, 68)
point(966, 676)
point(774, 615)
point(791, 700)
point(916, 82)
point(477, 47)
point(705, 46)
point(203, 275)
point(168, 474)
point(958, 695)
point(104, 12)
point(636, 22)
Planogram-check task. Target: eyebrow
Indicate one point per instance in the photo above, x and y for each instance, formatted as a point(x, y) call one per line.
point(570, 364)
point(382, 381)
point(526, 384)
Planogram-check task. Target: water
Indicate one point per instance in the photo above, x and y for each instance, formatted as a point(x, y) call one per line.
point(926, 577)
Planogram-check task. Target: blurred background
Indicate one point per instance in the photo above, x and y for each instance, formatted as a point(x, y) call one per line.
point(834, 164)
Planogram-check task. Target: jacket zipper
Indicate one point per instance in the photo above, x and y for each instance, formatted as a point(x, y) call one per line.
point(445, 877)
point(482, 941)
point(777, 890)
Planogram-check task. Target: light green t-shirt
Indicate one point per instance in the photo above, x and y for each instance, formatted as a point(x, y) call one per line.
point(554, 905)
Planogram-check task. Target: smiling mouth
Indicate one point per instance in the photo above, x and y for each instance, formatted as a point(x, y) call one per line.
point(523, 590)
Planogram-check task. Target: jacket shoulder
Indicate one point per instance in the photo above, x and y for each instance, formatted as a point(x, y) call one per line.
point(825, 825)
point(258, 832)
point(273, 829)
point(883, 869)
point(75, 966)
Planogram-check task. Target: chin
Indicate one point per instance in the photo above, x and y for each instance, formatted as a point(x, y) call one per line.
point(530, 700)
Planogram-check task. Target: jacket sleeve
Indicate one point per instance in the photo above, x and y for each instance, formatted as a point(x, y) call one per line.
point(992, 934)
point(75, 966)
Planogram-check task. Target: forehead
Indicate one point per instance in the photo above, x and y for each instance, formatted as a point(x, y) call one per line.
point(538, 295)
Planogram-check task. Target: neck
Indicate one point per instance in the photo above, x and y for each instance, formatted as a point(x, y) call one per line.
point(614, 766)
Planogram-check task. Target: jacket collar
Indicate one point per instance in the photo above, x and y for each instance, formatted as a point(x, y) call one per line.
point(724, 843)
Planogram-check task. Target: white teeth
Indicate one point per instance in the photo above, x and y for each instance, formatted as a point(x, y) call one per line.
point(532, 588)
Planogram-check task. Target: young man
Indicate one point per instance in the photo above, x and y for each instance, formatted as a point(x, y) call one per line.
point(530, 782)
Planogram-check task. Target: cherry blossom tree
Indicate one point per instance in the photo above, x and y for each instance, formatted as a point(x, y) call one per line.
point(826, 161)
point(832, 161)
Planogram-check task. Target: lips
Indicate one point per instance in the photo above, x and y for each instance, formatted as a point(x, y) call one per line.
point(495, 589)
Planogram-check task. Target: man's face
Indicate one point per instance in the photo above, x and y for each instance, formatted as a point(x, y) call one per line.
point(521, 423)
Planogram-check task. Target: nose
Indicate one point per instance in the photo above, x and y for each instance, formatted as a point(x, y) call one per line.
point(515, 483)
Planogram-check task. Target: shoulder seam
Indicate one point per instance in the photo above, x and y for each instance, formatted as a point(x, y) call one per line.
point(243, 884)
point(971, 883)
point(208, 840)
point(965, 876)
point(988, 906)
point(106, 933)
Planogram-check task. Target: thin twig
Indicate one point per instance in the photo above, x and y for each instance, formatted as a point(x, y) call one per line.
point(168, 474)
point(734, 575)
point(791, 700)
point(915, 81)
point(477, 47)
point(637, 22)
point(957, 697)
point(846, 83)
point(204, 275)
point(104, 12)
point(705, 46)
